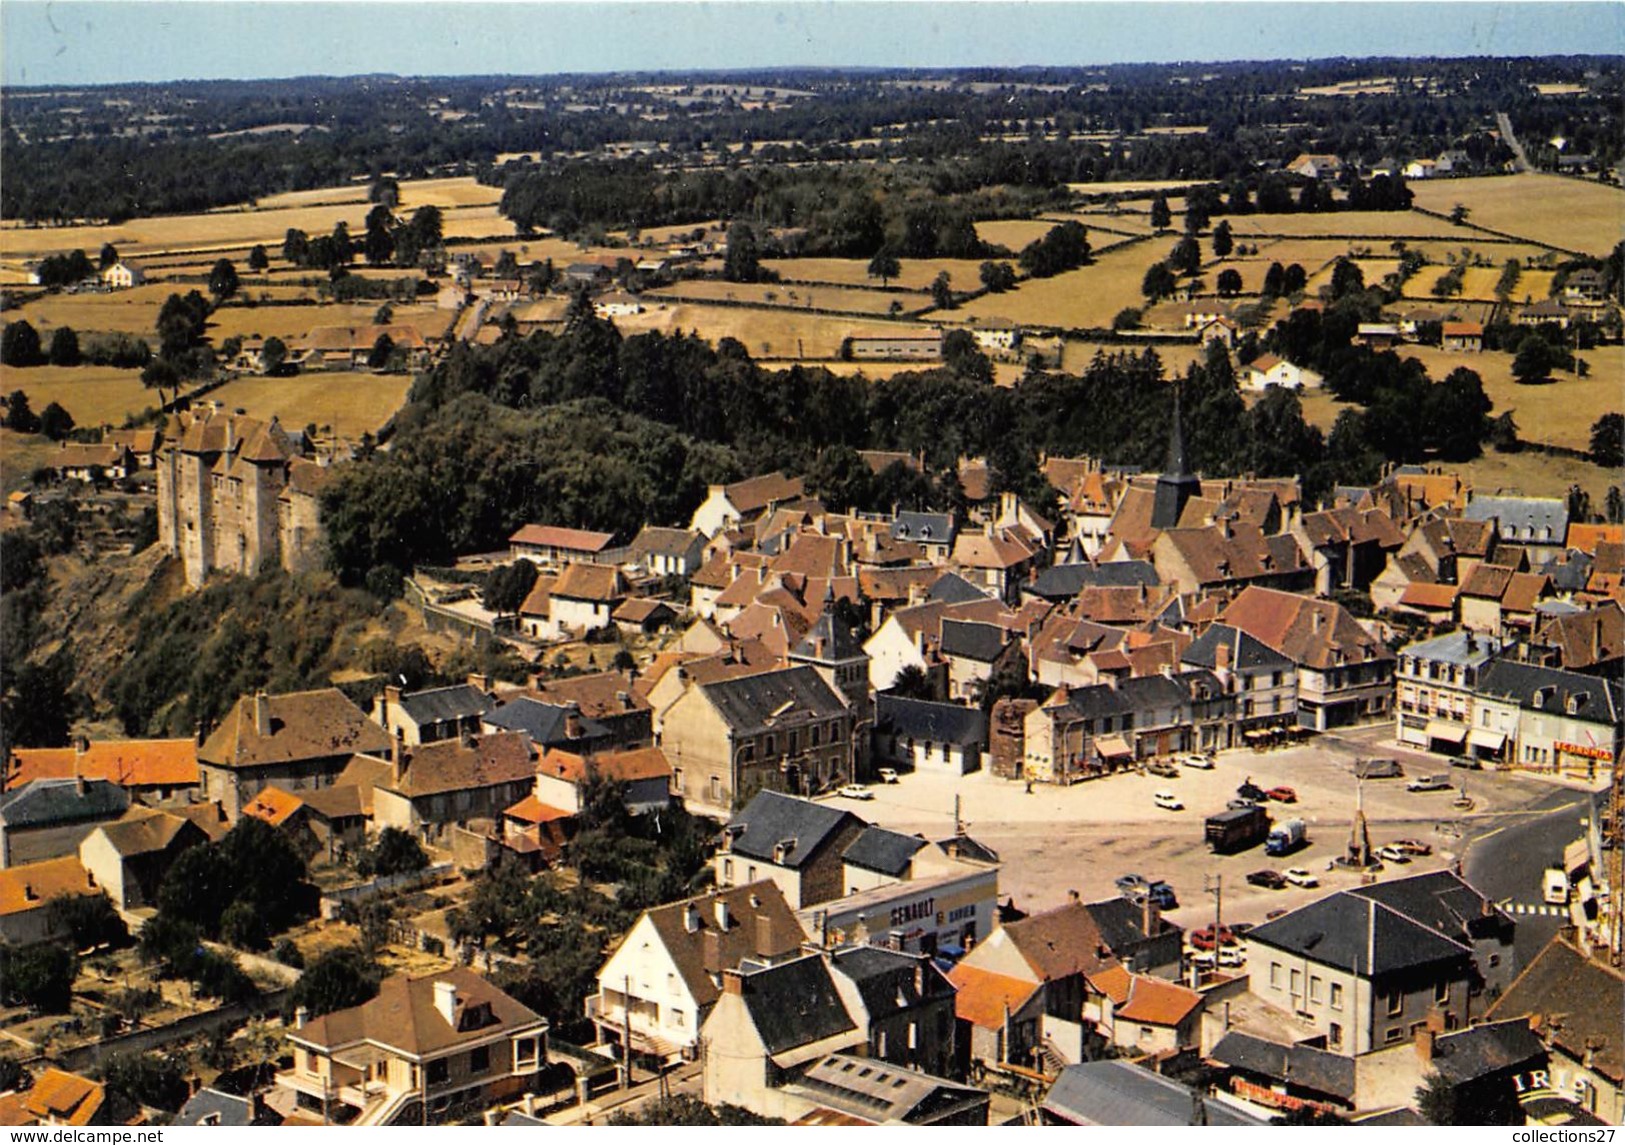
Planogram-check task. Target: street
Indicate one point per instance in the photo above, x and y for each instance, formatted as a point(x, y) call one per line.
point(1505, 862)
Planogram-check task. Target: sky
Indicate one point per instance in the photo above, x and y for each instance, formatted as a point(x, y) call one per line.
point(106, 41)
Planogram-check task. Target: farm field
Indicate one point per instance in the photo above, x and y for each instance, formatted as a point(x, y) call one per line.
point(21, 454)
point(131, 311)
point(1566, 213)
point(1004, 373)
point(765, 333)
point(1385, 225)
point(1089, 296)
point(1479, 283)
point(1105, 222)
point(794, 297)
point(288, 322)
point(1372, 271)
point(1013, 233)
point(347, 405)
point(1131, 186)
point(916, 273)
point(1076, 354)
point(94, 395)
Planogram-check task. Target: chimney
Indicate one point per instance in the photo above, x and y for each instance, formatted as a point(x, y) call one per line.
point(445, 1000)
point(262, 715)
point(465, 735)
point(764, 935)
point(1073, 896)
point(300, 1017)
point(1221, 656)
point(733, 982)
point(691, 918)
point(724, 918)
point(479, 680)
point(399, 754)
point(1424, 1045)
point(1314, 621)
point(1596, 638)
point(572, 720)
point(29, 894)
point(624, 699)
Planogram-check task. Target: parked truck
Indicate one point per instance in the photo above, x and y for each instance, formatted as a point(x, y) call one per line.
point(1287, 837)
point(1238, 828)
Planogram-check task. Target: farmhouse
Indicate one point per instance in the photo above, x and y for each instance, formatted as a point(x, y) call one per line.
point(1267, 370)
point(74, 461)
point(123, 275)
point(1462, 337)
point(552, 545)
point(1316, 166)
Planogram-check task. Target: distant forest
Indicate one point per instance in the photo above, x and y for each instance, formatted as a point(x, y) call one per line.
point(115, 152)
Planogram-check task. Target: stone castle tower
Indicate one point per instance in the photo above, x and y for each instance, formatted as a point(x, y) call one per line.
point(235, 493)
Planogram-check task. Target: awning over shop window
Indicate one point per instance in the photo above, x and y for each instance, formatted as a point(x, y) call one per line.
point(1446, 732)
point(1114, 747)
point(1489, 741)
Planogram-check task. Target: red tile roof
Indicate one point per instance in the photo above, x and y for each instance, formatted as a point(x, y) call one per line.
point(553, 536)
point(128, 763)
point(984, 996)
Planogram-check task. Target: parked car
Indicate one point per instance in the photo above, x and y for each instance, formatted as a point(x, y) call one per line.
point(1168, 801)
point(1238, 804)
point(887, 774)
point(1241, 928)
point(1250, 790)
point(1428, 783)
point(1269, 880)
point(1412, 846)
point(1204, 939)
point(1282, 794)
point(1163, 769)
point(1378, 769)
point(1133, 884)
point(1162, 894)
point(1231, 956)
point(1200, 762)
point(1271, 916)
point(1468, 762)
point(1299, 877)
point(1393, 854)
point(855, 791)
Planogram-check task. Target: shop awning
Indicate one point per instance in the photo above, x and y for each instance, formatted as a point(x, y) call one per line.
point(1113, 747)
point(1446, 732)
point(1489, 741)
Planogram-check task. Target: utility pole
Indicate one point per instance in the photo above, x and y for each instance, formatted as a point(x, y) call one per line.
point(1214, 885)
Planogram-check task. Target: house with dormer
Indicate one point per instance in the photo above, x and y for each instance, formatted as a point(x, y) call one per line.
point(797, 844)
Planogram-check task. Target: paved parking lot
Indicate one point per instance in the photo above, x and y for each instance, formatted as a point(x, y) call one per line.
point(1083, 837)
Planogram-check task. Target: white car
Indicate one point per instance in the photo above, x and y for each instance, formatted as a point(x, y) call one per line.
point(1393, 854)
point(1167, 800)
point(887, 775)
point(855, 791)
point(1299, 877)
point(1200, 762)
point(1230, 956)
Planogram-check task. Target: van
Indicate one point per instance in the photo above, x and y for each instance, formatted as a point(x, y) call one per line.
point(1554, 887)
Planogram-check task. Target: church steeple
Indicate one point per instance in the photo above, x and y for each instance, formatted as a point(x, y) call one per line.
point(1176, 484)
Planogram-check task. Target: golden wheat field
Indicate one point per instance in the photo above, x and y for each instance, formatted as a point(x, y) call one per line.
point(1568, 213)
point(130, 311)
point(1384, 225)
point(915, 273)
point(1013, 233)
point(94, 395)
point(795, 296)
point(1089, 296)
point(765, 333)
point(1131, 186)
point(344, 404)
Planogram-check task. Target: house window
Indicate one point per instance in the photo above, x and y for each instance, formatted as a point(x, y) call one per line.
point(1335, 1034)
point(1441, 992)
point(1297, 983)
point(1393, 1035)
point(525, 1054)
point(1146, 1033)
point(479, 1059)
point(1314, 988)
point(1396, 1001)
point(914, 1035)
point(814, 734)
point(1275, 975)
point(767, 746)
point(310, 1062)
point(727, 870)
point(677, 1018)
point(880, 1044)
point(793, 738)
point(1337, 996)
point(716, 788)
point(750, 873)
point(1495, 960)
point(439, 1071)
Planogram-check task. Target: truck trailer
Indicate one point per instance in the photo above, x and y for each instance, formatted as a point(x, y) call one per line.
point(1238, 828)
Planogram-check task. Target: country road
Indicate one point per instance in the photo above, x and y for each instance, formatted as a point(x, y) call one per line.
point(1511, 140)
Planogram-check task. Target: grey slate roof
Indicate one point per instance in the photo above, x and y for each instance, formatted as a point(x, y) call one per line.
point(1359, 935)
point(544, 723)
point(795, 1003)
point(971, 640)
point(748, 702)
point(45, 802)
point(885, 1094)
point(1443, 901)
point(211, 1107)
point(936, 528)
point(1300, 1066)
point(772, 818)
point(1481, 1051)
point(930, 722)
point(1597, 699)
point(1459, 647)
point(1141, 693)
point(886, 979)
point(1523, 518)
point(1570, 572)
point(885, 852)
point(1122, 924)
point(1115, 1092)
point(1246, 651)
point(840, 643)
point(951, 588)
point(1063, 582)
point(437, 705)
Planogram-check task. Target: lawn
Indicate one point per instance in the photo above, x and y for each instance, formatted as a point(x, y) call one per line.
point(1567, 213)
point(1089, 296)
point(344, 404)
point(795, 297)
point(94, 395)
point(916, 273)
point(132, 311)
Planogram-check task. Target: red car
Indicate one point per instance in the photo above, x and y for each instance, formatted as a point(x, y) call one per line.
point(1203, 939)
point(1282, 794)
